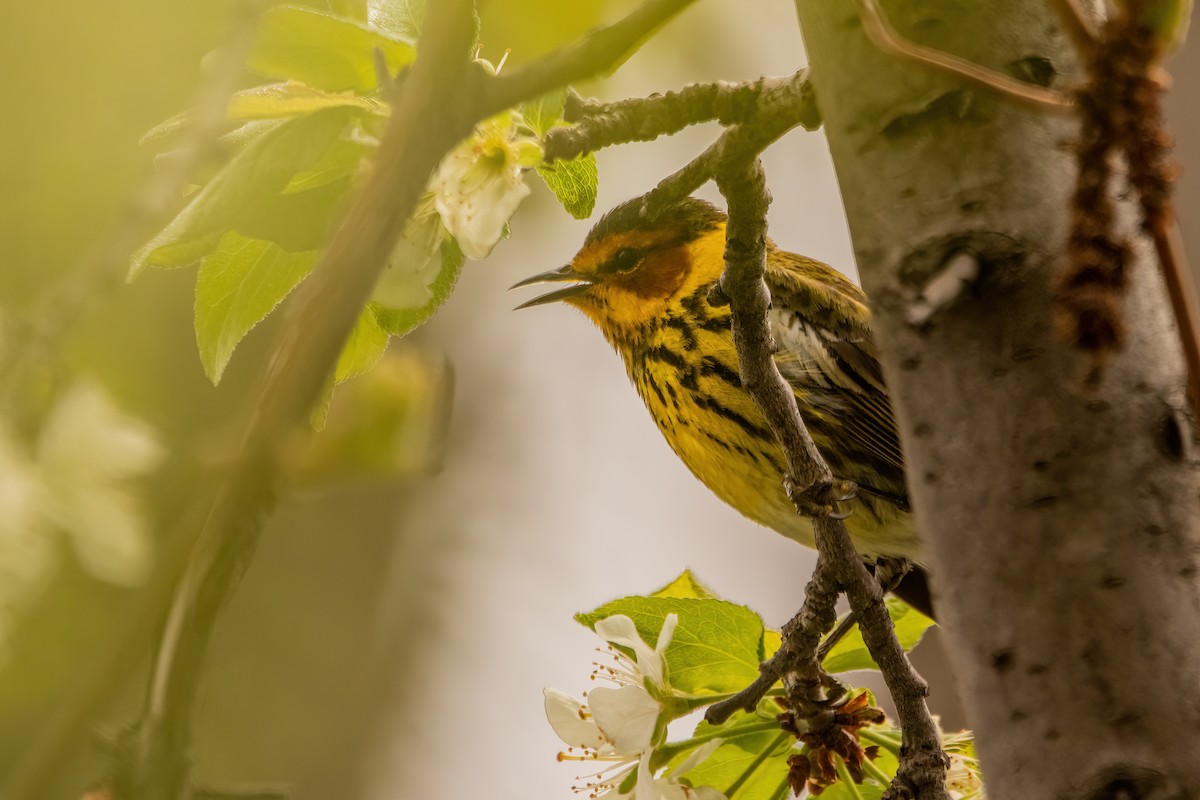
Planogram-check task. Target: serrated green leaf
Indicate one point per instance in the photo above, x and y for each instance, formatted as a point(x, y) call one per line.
point(364, 347)
point(851, 652)
point(273, 101)
point(237, 286)
point(543, 113)
point(323, 50)
point(686, 586)
point(574, 183)
point(400, 322)
point(716, 648)
point(256, 175)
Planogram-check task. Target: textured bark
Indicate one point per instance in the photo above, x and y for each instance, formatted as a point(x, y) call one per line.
point(1061, 524)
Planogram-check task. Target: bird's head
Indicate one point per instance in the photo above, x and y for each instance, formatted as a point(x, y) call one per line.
point(631, 270)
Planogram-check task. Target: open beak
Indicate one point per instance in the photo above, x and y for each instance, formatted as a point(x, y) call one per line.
point(555, 276)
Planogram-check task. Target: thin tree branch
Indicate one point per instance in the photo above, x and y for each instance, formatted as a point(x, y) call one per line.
point(788, 100)
point(923, 763)
point(321, 316)
point(599, 52)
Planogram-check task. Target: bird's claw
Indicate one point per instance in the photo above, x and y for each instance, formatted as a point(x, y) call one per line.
point(821, 499)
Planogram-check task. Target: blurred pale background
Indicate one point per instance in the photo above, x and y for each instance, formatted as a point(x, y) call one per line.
point(392, 639)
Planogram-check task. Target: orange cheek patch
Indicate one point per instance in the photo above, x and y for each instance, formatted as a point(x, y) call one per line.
point(658, 276)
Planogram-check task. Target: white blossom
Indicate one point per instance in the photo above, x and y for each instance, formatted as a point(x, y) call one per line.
point(73, 480)
point(480, 183)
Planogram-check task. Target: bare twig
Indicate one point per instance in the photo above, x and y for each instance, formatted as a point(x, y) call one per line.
point(600, 51)
point(644, 119)
point(923, 763)
point(881, 33)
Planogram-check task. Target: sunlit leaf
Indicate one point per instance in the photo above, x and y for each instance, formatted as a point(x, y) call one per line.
point(237, 286)
point(325, 51)
point(574, 183)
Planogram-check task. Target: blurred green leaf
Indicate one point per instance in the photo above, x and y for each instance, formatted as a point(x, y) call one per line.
point(574, 183)
point(717, 645)
point(237, 286)
point(342, 160)
point(400, 322)
point(851, 652)
point(258, 173)
point(325, 51)
point(273, 101)
point(296, 221)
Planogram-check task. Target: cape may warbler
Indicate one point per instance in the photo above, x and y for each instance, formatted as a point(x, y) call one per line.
point(646, 285)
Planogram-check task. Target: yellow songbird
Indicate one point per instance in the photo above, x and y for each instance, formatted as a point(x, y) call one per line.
point(646, 285)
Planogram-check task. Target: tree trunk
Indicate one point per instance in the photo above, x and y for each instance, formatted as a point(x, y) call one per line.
point(1060, 523)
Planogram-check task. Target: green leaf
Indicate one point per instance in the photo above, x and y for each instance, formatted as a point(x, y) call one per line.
point(851, 652)
point(342, 160)
point(543, 113)
point(256, 175)
point(574, 183)
point(237, 286)
point(274, 101)
point(364, 347)
point(325, 51)
point(297, 221)
point(716, 648)
point(400, 322)
point(686, 586)
point(402, 18)
point(752, 764)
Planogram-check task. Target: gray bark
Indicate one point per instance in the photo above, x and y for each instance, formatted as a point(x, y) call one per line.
point(1061, 524)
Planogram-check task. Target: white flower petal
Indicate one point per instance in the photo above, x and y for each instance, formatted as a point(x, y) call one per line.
point(569, 720)
point(108, 532)
point(620, 630)
point(87, 435)
point(627, 716)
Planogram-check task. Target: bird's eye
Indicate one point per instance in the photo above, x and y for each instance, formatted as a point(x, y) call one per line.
point(626, 259)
